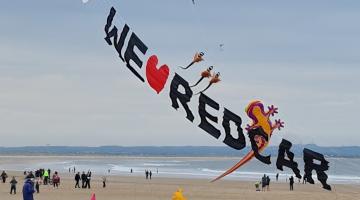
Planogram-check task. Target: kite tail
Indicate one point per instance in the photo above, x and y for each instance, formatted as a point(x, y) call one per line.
point(187, 66)
point(244, 160)
point(198, 82)
point(204, 89)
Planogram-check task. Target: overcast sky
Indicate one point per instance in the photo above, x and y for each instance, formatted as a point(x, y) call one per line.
point(61, 84)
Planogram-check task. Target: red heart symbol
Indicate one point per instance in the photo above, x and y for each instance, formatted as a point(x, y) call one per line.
point(156, 77)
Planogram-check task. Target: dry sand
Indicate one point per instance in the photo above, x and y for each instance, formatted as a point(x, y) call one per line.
point(137, 188)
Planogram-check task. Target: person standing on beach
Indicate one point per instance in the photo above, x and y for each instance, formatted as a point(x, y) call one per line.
point(37, 174)
point(263, 183)
point(268, 183)
point(13, 183)
point(146, 174)
point(37, 186)
point(257, 186)
point(4, 176)
point(291, 180)
point(41, 174)
point(46, 177)
point(30, 175)
point(28, 190)
point(104, 181)
point(56, 179)
point(77, 179)
point(304, 180)
point(88, 178)
point(150, 174)
point(83, 179)
point(277, 176)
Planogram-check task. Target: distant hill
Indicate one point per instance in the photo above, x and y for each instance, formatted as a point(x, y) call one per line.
point(345, 151)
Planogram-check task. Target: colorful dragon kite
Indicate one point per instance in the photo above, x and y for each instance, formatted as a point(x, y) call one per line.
point(260, 119)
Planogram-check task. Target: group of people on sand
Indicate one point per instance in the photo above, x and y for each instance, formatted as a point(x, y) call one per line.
point(42, 176)
point(85, 179)
point(148, 174)
point(265, 183)
point(32, 182)
point(13, 182)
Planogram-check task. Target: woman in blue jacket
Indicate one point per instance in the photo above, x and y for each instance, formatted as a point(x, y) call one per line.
point(28, 190)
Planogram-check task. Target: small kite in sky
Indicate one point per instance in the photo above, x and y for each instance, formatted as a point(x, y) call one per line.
point(221, 47)
point(215, 78)
point(197, 58)
point(204, 74)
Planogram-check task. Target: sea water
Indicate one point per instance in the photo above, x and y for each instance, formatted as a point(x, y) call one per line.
point(342, 170)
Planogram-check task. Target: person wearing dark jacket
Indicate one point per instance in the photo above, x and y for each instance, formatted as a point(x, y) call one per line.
point(291, 180)
point(37, 186)
point(28, 190)
point(104, 181)
point(30, 175)
point(77, 179)
point(88, 179)
point(83, 179)
point(4, 176)
point(13, 183)
point(263, 183)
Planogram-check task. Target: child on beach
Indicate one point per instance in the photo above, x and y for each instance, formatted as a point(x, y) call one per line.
point(257, 186)
point(37, 186)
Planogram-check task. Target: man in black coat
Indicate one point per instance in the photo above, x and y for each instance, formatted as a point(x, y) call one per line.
point(83, 179)
point(77, 179)
point(291, 180)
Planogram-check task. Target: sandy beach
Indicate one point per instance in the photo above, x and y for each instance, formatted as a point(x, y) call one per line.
point(138, 188)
